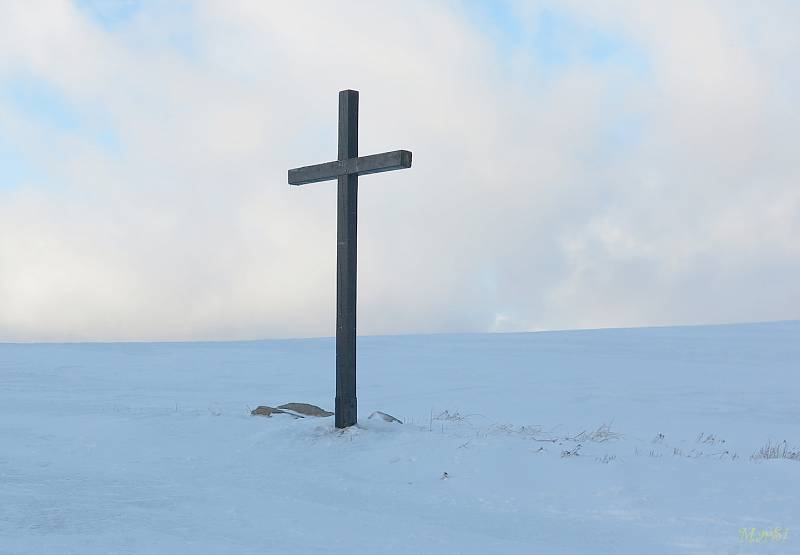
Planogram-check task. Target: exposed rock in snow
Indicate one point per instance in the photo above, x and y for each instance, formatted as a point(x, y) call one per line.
point(385, 417)
point(304, 409)
point(264, 410)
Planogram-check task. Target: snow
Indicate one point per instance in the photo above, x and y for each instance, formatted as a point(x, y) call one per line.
point(150, 447)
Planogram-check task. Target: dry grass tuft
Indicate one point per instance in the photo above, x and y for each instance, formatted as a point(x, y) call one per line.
point(776, 451)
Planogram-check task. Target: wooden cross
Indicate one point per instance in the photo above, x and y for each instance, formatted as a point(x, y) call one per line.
point(346, 171)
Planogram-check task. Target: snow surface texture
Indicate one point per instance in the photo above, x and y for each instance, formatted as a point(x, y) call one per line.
point(612, 441)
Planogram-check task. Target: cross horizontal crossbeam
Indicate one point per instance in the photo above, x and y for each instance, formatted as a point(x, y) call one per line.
point(363, 165)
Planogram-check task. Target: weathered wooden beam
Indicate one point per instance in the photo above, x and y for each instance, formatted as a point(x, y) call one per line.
point(346, 405)
point(364, 165)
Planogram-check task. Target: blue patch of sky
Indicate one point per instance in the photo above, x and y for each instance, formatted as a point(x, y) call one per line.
point(15, 169)
point(616, 138)
point(36, 101)
point(113, 15)
point(625, 131)
point(109, 14)
point(184, 34)
point(556, 38)
point(560, 40)
point(498, 20)
point(184, 44)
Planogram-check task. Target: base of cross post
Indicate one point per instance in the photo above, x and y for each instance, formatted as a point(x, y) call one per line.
point(346, 412)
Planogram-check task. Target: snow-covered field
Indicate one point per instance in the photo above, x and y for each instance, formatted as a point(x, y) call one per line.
point(632, 441)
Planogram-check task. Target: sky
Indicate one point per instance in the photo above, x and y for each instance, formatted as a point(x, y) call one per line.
point(576, 165)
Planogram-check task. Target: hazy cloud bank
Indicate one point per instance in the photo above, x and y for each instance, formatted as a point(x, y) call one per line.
point(575, 165)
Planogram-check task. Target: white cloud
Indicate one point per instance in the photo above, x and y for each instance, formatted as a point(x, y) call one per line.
point(531, 204)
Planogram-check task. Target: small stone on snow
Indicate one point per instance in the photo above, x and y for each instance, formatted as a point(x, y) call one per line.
point(304, 409)
point(385, 417)
point(264, 410)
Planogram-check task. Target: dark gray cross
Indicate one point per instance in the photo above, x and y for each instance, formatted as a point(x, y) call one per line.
point(346, 170)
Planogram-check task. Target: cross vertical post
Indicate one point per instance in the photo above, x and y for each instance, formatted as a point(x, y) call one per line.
point(346, 270)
